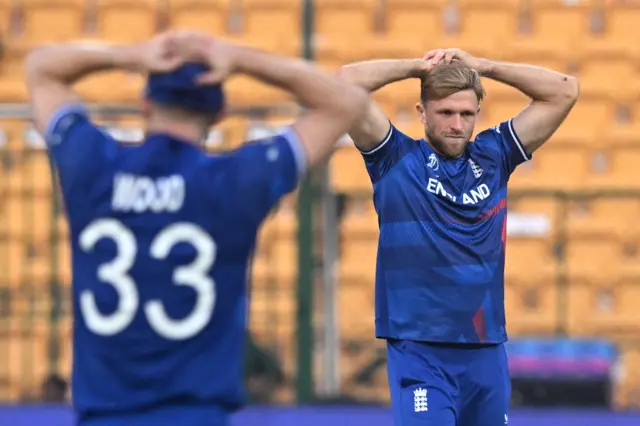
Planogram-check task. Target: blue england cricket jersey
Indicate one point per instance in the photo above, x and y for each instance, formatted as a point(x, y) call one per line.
point(161, 235)
point(441, 251)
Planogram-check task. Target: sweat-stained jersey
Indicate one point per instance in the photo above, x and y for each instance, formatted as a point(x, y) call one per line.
point(161, 234)
point(441, 251)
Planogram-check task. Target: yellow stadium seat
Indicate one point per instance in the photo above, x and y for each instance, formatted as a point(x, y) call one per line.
point(531, 308)
point(593, 257)
point(400, 96)
point(246, 91)
point(358, 260)
point(13, 129)
point(273, 24)
point(622, 135)
point(340, 20)
point(284, 260)
point(614, 77)
point(620, 150)
point(495, 20)
point(528, 260)
point(355, 310)
point(126, 20)
point(112, 87)
point(281, 304)
point(586, 123)
point(63, 254)
point(604, 306)
point(37, 219)
point(549, 15)
point(406, 19)
point(604, 216)
point(24, 259)
point(17, 181)
point(38, 169)
point(348, 172)
point(359, 220)
point(555, 167)
point(615, 39)
point(403, 36)
point(621, 22)
point(283, 225)
point(500, 110)
point(13, 223)
point(622, 168)
point(12, 81)
point(227, 134)
point(47, 21)
point(209, 16)
point(11, 360)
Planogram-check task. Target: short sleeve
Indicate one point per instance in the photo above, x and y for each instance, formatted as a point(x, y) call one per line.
point(263, 171)
point(76, 145)
point(504, 139)
point(387, 154)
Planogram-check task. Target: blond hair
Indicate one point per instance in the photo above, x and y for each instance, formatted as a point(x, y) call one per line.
point(446, 79)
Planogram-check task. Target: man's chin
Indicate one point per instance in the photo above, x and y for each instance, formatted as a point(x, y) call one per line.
point(453, 147)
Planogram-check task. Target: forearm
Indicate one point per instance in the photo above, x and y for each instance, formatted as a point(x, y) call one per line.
point(68, 63)
point(313, 88)
point(373, 75)
point(540, 84)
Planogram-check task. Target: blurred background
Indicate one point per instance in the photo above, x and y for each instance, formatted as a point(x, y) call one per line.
point(573, 250)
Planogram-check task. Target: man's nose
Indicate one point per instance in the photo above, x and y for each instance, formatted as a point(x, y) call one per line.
point(456, 123)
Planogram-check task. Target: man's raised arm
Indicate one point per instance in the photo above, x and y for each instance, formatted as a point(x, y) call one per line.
point(553, 96)
point(373, 75)
point(52, 71)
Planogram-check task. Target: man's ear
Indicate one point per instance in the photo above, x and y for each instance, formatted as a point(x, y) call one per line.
point(420, 109)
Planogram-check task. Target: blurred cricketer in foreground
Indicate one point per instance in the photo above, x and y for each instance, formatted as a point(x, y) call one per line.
point(441, 203)
point(161, 232)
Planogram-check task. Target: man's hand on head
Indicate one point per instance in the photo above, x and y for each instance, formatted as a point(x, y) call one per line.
point(446, 56)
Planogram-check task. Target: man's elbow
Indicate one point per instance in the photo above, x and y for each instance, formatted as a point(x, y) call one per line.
point(571, 89)
point(35, 61)
point(345, 73)
point(355, 102)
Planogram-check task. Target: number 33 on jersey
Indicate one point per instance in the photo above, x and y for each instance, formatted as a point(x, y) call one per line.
point(116, 274)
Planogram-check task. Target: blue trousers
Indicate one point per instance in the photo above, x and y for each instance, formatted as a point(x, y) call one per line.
point(435, 384)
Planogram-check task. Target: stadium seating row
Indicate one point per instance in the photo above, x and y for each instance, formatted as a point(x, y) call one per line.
point(605, 60)
point(277, 20)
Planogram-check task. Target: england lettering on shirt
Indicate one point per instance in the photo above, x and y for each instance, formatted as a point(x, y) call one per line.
point(473, 196)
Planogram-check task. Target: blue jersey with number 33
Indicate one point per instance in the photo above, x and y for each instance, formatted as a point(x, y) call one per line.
point(161, 234)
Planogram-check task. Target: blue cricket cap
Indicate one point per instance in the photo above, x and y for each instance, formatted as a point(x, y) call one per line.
point(179, 88)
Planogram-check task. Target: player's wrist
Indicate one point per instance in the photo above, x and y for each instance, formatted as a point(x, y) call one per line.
point(240, 58)
point(127, 57)
point(485, 67)
point(417, 68)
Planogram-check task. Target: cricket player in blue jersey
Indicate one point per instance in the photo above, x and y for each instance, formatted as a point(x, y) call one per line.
point(161, 232)
point(441, 203)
